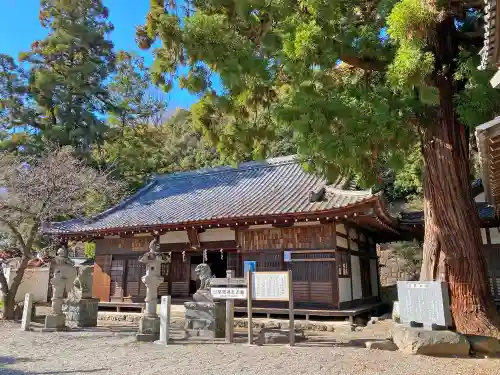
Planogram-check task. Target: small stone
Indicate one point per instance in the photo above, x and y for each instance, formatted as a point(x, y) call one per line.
point(381, 345)
point(373, 320)
point(484, 344)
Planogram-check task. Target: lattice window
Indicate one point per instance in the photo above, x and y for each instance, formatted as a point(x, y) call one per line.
point(492, 287)
point(312, 271)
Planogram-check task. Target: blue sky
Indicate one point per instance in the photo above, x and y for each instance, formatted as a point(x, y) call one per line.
point(19, 27)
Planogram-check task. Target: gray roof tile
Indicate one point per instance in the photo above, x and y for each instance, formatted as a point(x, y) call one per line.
point(274, 187)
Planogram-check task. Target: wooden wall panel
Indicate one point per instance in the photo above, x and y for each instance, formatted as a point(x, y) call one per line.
point(180, 288)
point(312, 237)
point(101, 279)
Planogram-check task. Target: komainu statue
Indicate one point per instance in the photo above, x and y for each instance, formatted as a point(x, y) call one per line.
point(204, 273)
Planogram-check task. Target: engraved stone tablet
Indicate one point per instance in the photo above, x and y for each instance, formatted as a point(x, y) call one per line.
point(425, 302)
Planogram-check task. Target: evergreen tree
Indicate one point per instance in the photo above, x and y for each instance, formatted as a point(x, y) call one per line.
point(68, 72)
point(359, 84)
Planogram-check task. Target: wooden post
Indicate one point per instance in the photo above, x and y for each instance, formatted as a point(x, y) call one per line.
point(229, 313)
point(291, 310)
point(249, 307)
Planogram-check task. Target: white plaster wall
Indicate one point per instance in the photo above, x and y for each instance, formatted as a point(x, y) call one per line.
point(480, 198)
point(373, 277)
point(340, 228)
point(494, 235)
point(344, 289)
point(353, 234)
point(35, 281)
point(342, 242)
point(483, 235)
point(357, 292)
point(218, 234)
point(354, 245)
point(174, 237)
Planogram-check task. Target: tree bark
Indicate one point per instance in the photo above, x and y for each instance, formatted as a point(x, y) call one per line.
point(9, 298)
point(433, 259)
point(454, 237)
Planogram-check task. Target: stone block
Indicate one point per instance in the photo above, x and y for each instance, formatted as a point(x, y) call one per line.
point(278, 336)
point(432, 343)
point(381, 345)
point(81, 313)
point(149, 329)
point(484, 344)
point(55, 322)
point(207, 319)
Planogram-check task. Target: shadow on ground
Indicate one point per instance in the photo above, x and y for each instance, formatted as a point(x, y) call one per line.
point(6, 361)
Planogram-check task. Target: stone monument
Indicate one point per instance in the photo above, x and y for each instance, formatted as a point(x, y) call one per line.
point(80, 308)
point(204, 316)
point(149, 325)
point(62, 282)
point(426, 303)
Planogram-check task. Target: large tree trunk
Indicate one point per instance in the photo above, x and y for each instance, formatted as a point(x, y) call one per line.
point(451, 215)
point(433, 264)
point(9, 298)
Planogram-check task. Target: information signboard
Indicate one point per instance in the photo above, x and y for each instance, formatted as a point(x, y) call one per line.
point(229, 293)
point(270, 286)
point(425, 302)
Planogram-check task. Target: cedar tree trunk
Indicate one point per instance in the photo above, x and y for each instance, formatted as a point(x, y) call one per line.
point(452, 222)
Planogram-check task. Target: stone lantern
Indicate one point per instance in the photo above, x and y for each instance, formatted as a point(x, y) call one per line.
point(62, 281)
point(149, 325)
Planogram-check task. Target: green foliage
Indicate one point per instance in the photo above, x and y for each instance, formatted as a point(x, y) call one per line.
point(278, 62)
point(68, 70)
point(89, 250)
point(410, 66)
point(410, 20)
point(479, 102)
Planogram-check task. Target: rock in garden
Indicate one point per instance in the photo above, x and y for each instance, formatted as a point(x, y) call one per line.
point(432, 343)
point(381, 345)
point(484, 344)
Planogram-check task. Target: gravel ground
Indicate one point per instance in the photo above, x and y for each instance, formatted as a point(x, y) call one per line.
point(114, 351)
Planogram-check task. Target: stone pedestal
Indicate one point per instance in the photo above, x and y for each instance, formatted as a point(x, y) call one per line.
point(149, 329)
point(54, 322)
point(205, 319)
point(81, 313)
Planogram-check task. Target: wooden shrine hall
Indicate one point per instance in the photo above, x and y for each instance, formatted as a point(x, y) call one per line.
point(272, 213)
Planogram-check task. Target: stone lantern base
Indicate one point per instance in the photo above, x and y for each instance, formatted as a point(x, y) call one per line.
point(54, 322)
point(81, 313)
point(149, 328)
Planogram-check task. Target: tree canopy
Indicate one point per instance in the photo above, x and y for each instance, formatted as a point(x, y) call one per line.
point(359, 85)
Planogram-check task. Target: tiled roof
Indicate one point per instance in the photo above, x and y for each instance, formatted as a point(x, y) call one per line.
point(486, 53)
point(274, 187)
point(486, 212)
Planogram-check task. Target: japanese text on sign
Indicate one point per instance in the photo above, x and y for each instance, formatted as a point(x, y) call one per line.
point(270, 286)
point(229, 293)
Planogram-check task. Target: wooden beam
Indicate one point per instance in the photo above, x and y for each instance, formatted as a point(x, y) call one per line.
point(194, 238)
